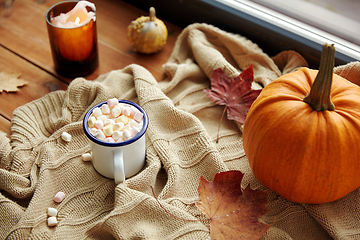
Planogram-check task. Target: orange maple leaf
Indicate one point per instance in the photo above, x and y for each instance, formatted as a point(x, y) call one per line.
point(233, 213)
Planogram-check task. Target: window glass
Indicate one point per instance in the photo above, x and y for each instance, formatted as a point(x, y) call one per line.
point(340, 18)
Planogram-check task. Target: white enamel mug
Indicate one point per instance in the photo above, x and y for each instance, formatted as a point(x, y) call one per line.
point(118, 160)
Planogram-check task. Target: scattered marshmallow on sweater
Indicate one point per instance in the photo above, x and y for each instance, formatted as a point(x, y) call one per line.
point(115, 122)
point(66, 136)
point(52, 221)
point(59, 197)
point(52, 212)
point(86, 157)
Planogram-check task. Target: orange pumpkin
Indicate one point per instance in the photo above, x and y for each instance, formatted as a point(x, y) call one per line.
point(302, 137)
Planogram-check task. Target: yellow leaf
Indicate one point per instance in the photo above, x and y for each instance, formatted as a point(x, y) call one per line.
point(10, 82)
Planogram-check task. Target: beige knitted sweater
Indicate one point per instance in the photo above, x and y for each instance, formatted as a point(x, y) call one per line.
point(35, 163)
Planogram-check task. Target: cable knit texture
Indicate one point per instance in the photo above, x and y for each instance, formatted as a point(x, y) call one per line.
point(35, 163)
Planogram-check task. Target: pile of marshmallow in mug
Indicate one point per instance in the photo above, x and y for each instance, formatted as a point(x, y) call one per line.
point(115, 122)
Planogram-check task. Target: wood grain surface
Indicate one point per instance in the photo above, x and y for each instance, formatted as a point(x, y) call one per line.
point(25, 49)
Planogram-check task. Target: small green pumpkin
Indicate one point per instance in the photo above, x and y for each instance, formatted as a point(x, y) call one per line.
point(147, 34)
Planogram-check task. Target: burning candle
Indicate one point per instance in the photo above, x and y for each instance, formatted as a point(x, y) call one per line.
point(76, 17)
point(73, 37)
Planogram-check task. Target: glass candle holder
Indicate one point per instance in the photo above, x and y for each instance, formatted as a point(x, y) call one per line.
point(74, 49)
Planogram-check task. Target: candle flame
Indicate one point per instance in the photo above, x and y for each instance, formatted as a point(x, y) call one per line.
point(77, 20)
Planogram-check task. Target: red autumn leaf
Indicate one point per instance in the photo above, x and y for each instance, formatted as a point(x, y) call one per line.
point(233, 213)
point(235, 93)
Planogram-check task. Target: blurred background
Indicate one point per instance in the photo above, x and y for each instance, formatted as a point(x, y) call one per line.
point(275, 25)
point(341, 18)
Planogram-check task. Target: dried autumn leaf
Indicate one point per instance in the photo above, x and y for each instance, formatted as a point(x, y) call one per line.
point(235, 93)
point(9, 82)
point(233, 214)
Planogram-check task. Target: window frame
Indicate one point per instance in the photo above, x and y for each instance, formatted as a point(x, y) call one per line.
point(271, 31)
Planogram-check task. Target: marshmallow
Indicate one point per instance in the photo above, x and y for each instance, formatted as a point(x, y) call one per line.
point(112, 102)
point(133, 123)
point(124, 119)
point(117, 134)
point(126, 134)
point(52, 212)
point(116, 111)
point(91, 122)
point(121, 106)
point(86, 157)
point(102, 118)
point(118, 126)
point(108, 130)
point(105, 109)
point(109, 140)
point(127, 127)
point(99, 124)
point(127, 111)
point(100, 135)
point(109, 121)
point(97, 112)
point(133, 111)
point(59, 197)
point(66, 136)
point(134, 131)
point(94, 130)
point(52, 221)
point(138, 116)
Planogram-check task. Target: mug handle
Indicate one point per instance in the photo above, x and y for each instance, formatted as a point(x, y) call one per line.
point(119, 173)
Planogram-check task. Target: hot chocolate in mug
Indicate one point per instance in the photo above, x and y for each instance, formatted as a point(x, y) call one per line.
point(118, 160)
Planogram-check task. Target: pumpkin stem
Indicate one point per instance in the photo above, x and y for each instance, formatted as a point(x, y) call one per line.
point(319, 96)
point(152, 14)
